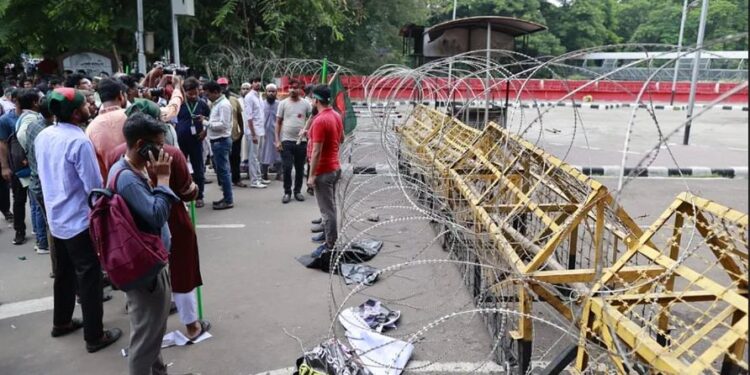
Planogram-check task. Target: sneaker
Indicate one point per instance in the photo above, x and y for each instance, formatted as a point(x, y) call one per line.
point(223, 206)
point(317, 221)
point(217, 202)
point(317, 228)
point(109, 336)
point(320, 250)
point(40, 250)
point(258, 185)
point(19, 239)
point(286, 198)
point(299, 197)
point(320, 237)
point(265, 181)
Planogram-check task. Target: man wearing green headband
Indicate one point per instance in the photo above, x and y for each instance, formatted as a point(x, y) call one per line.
point(68, 171)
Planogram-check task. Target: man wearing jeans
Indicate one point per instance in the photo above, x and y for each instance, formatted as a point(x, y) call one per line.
point(290, 121)
point(219, 126)
point(326, 135)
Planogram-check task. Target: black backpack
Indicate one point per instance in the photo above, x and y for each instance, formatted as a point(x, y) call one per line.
point(17, 159)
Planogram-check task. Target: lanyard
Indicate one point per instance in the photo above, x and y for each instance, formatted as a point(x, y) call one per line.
point(191, 110)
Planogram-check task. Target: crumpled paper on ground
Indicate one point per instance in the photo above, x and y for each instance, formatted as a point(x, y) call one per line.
point(381, 354)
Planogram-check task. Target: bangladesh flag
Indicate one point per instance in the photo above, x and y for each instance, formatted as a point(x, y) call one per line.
point(343, 105)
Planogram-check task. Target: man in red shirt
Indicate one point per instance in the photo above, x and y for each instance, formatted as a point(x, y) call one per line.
point(326, 135)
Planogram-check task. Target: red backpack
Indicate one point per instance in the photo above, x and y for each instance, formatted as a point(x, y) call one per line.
point(130, 256)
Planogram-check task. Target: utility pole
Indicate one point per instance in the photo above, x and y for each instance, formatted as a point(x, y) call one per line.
point(679, 49)
point(694, 79)
point(139, 39)
point(175, 38)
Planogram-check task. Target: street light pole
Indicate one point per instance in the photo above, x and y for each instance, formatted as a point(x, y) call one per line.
point(679, 49)
point(175, 39)
point(139, 39)
point(694, 79)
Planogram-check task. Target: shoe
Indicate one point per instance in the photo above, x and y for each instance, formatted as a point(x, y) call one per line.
point(208, 182)
point(286, 198)
point(319, 251)
point(279, 177)
point(75, 324)
point(217, 202)
point(205, 326)
point(265, 181)
point(40, 250)
point(240, 184)
point(320, 237)
point(199, 203)
point(19, 239)
point(311, 191)
point(8, 217)
point(317, 221)
point(110, 336)
point(299, 197)
point(223, 206)
point(317, 228)
point(258, 185)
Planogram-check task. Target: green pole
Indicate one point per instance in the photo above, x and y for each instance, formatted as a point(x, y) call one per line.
point(324, 74)
point(198, 289)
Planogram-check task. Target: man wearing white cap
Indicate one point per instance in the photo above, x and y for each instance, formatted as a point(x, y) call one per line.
point(254, 130)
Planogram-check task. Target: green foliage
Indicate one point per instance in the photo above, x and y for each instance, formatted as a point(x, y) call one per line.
point(361, 34)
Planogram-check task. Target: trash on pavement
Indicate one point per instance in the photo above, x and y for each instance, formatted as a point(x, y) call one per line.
point(331, 357)
point(358, 274)
point(376, 315)
point(382, 355)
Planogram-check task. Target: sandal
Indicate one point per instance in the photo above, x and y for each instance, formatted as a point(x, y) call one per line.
point(205, 326)
point(75, 324)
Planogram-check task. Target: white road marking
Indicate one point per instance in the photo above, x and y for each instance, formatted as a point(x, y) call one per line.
point(426, 366)
point(13, 309)
point(220, 226)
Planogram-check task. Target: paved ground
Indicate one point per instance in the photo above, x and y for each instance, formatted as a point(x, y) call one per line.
point(255, 289)
point(718, 139)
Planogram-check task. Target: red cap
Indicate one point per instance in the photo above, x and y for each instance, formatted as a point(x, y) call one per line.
point(222, 81)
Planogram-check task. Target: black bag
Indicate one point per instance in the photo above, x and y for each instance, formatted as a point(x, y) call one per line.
point(17, 160)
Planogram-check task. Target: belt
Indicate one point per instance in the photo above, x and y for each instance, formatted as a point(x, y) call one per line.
point(217, 139)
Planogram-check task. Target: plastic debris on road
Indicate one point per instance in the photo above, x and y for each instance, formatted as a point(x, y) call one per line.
point(331, 357)
point(358, 274)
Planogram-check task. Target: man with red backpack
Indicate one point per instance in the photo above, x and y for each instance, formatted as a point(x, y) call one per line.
point(149, 206)
point(68, 171)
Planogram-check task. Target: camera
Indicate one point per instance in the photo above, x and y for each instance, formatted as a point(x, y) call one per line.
point(176, 69)
point(157, 92)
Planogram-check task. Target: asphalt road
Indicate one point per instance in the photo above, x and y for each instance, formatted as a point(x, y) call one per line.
point(258, 297)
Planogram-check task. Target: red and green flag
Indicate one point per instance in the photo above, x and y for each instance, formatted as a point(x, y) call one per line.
point(342, 104)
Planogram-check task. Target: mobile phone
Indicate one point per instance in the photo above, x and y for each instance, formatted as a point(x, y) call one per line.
point(144, 150)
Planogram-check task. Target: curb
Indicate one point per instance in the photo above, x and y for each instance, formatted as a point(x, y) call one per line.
point(614, 171)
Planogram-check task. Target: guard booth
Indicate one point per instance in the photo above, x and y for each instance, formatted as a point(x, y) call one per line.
point(463, 35)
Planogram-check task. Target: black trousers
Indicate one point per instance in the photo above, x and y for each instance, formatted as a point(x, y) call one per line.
point(194, 152)
point(235, 158)
point(77, 264)
point(4, 196)
point(20, 196)
point(293, 155)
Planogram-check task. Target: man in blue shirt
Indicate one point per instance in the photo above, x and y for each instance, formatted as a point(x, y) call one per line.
point(68, 171)
point(7, 125)
point(7, 128)
point(148, 305)
point(191, 133)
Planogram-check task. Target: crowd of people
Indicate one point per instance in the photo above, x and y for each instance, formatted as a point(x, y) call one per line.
point(150, 140)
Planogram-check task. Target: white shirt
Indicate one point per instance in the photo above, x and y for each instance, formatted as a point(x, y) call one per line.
point(220, 120)
point(7, 105)
point(254, 111)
